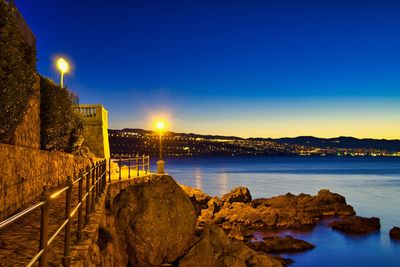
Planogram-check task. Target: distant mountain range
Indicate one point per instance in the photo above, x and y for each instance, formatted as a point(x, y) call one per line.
point(308, 141)
point(341, 142)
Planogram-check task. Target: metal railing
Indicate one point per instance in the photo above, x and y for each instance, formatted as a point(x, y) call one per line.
point(94, 177)
point(135, 164)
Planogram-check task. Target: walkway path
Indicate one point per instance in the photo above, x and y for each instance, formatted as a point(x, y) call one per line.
point(19, 242)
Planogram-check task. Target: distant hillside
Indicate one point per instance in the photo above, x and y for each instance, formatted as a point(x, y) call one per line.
point(341, 142)
point(308, 141)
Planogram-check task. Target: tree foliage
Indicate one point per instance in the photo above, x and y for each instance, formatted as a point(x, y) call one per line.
point(61, 126)
point(17, 70)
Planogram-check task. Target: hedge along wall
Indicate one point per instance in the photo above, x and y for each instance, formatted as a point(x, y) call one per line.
point(17, 73)
point(61, 127)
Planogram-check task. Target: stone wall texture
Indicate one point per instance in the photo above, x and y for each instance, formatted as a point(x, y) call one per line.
point(27, 133)
point(24, 172)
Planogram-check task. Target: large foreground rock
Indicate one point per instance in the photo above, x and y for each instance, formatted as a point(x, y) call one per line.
point(357, 225)
point(157, 221)
point(278, 244)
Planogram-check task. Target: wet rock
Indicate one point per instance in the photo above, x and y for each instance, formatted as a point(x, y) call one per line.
point(395, 233)
point(240, 233)
point(278, 244)
point(357, 225)
point(156, 219)
point(262, 260)
point(283, 261)
point(237, 194)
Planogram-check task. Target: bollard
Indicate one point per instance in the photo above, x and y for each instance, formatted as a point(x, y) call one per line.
point(44, 225)
point(87, 206)
point(143, 162)
point(93, 193)
point(119, 166)
point(80, 216)
point(66, 260)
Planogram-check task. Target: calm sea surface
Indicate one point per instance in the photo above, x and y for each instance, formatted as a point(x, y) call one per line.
point(370, 185)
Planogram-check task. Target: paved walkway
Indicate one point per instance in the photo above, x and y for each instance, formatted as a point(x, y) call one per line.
point(19, 242)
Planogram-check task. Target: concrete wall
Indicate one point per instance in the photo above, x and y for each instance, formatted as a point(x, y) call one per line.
point(96, 129)
point(24, 172)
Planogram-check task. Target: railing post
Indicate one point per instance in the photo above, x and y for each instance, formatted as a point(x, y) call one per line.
point(137, 165)
point(88, 195)
point(97, 181)
point(93, 193)
point(79, 235)
point(104, 173)
point(44, 226)
point(109, 170)
point(66, 260)
point(119, 166)
point(129, 166)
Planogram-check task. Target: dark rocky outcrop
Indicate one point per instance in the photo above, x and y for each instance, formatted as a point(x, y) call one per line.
point(237, 194)
point(213, 248)
point(395, 232)
point(357, 225)
point(157, 220)
point(285, 211)
point(276, 244)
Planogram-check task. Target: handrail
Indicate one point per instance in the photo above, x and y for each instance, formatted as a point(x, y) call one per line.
point(95, 178)
point(19, 215)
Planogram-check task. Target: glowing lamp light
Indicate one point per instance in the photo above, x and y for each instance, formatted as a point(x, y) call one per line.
point(62, 65)
point(160, 125)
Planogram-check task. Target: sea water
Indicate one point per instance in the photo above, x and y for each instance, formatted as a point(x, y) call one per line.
point(370, 184)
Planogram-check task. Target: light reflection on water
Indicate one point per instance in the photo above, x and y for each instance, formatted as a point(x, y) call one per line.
point(371, 185)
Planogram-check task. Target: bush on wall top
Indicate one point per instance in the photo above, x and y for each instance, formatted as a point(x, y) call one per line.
point(61, 126)
point(17, 70)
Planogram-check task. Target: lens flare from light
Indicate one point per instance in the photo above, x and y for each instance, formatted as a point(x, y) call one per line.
point(160, 125)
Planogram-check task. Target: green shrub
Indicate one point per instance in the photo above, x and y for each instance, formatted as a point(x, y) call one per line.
point(61, 126)
point(17, 70)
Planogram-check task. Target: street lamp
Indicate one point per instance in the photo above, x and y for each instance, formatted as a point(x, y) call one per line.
point(63, 67)
point(160, 163)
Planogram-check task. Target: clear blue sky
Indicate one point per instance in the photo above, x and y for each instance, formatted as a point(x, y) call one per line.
point(247, 68)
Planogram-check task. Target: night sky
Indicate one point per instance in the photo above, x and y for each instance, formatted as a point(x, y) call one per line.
point(246, 68)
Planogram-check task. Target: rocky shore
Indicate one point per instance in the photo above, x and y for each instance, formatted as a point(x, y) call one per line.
point(156, 222)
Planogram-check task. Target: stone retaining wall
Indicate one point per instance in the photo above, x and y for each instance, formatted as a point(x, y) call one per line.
point(24, 172)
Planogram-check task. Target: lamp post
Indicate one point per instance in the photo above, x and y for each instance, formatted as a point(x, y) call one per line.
point(160, 163)
point(63, 67)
